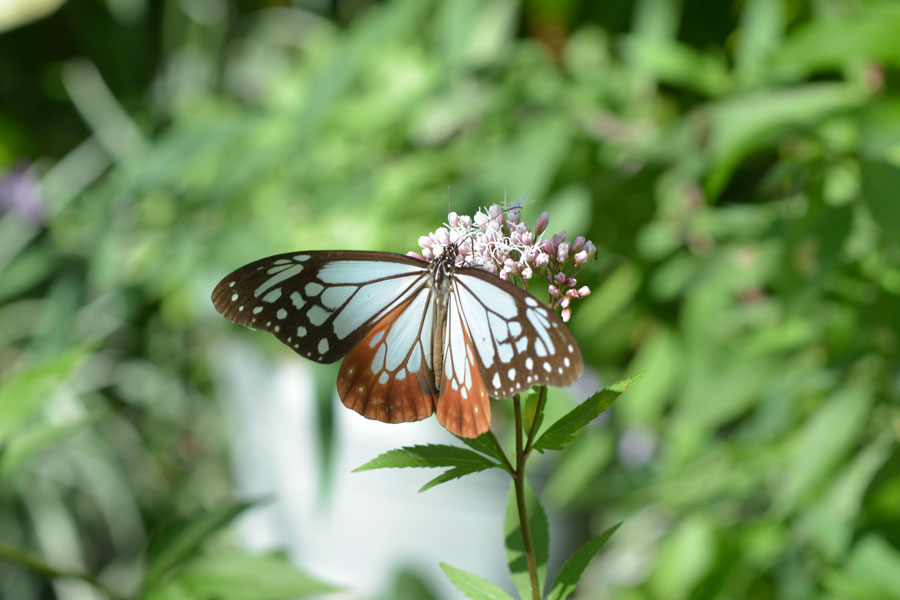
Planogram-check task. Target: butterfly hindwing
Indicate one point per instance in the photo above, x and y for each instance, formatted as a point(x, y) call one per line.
point(463, 406)
point(388, 375)
point(519, 342)
point(321, 303)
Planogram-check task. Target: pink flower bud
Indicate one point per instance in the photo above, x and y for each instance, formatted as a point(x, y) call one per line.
point(510, 265)
point(452, 219)
point(562, 252)
point(572, 293)
point(526, 273)
point(541, 260)
point(581, 258)
point(481, 219)
point(504, 274)
point(442, 236)
point(570, 282)
point(465, 222)
point(424, 241)
point(584, 291)
point(427, 254)
point(560, 277)
point(590, 248)
point(564, 302)
point(566, 314)
point(415, 255)
point(578, 244)
point(548, 248)
point(542, 223)
point(527, 238)
point(553, 290)
point(514, 214)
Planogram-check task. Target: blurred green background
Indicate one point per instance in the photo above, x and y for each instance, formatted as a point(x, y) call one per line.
point(736, 163)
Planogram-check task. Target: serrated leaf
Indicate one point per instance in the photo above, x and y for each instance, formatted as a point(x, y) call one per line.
point(431, 455)
point(571, 571)
point(474, 587)
point(170, 548)
point(563, 432)
point(450, 475)
point(515, 546)
point(240, 576)
point(483, 444)
point(531, 403)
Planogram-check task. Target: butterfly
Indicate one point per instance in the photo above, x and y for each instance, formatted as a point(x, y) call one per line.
point(416, 336)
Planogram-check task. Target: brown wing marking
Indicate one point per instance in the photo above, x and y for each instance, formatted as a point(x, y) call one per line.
point(366, 385)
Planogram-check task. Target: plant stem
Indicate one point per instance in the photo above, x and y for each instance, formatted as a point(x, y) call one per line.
point(535, 423)
point(506, 464)
point(519, 480)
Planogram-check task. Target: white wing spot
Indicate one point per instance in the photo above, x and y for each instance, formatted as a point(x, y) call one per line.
point(378, 361)
point(521, 344)
point(401, 375)
point(529, 364)
point(273, 295)
point(547, 366)
point(531, 302)
point(465, 393)
point(505, 352)
point(571, 349)
point(515, 328)
point(301, 258)
point(335, 296)
point(301, 331)
point(276, 279)
point(257, 310)
point(234, 297)
point(540, 348)
point(560, 370)
point(268, 323)
point(566, 361)
point(496, 381)
point(323, 345)
point(383, 378)
point(376, 339)
point(360, 389)
point(297, 300)
point(317, 315)
point(281, 313)
point(277, 329)
point(312, 288)
point(241, 308)
point(476, 409)
point(511, 374)
point(231, 284)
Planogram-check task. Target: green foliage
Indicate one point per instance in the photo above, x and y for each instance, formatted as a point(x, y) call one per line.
point(563, 431)
point(474, 587)
point(736, 163)
point(564, 584)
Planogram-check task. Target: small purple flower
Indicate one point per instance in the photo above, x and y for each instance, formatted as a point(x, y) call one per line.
point(497, 241)
point(20, 193)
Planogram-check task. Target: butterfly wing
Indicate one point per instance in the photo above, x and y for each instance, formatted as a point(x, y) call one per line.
point(463, 406)
point(320, 304)
point(518, 341)
point(389, 374)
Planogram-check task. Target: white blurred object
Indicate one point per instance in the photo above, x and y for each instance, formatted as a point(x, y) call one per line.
point(14, 13)
point(375, 521)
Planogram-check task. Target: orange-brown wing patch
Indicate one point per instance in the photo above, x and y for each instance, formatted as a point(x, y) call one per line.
point(388, 376)
point(463, 407)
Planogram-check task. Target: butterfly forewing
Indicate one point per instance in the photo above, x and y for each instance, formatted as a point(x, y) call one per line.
point(319, 303)
point(519, 341)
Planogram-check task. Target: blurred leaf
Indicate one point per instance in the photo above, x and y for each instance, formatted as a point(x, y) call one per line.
point(824, 441)
point(872, 572)
point(173, 547)
point(681, 65)
point(23, 394)
point(880, 182)
point(564, 584)
point(32, 562)
point(16, 13)
point(580, 467)
point(483, 444)
point(238, 575)
point(515, 546)
point(741, 124)
point(408, 584)
point(835, 42)
point(19, 449)
point(472, 586)
point(563, 431)
point(761, 32)
point(432, 455)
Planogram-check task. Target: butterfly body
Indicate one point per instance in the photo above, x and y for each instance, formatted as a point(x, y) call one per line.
point(417, 337)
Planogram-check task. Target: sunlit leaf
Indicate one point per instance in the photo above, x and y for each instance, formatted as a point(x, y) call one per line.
point(571, 571)
point(474, 587)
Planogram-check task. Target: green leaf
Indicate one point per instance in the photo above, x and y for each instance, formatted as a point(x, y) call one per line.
point(19, 448)
point(531, 402)
point(432, 455)
point(515, 546)
point(472, 586)
point(564, 430)
point(483, 444)
point(452, 474)
point(571, 571)
point(22, 395)
point(37, 564)
point(238, 575)
point(171, 548)
point(880, 182)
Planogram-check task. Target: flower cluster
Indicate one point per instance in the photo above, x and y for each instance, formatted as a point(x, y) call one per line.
point(496, 240)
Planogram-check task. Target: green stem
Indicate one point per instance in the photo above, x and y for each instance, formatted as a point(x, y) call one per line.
point(532, 433)
point(519, 479)
point(506, 464)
